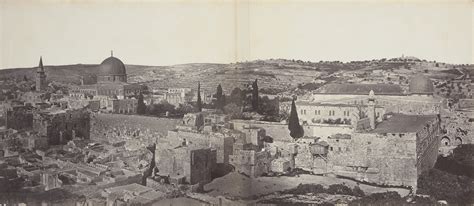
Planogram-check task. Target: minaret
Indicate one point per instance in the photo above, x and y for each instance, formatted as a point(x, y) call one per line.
point(40, 76)
point(371, 109)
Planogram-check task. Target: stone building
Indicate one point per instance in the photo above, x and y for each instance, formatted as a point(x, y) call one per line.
point(60, 126)
point(177, 96)
point(249, 155)
point(186, 163)
point(418, 99)
point(124, 106)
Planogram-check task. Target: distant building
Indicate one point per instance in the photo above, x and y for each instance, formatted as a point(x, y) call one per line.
point(177, 96)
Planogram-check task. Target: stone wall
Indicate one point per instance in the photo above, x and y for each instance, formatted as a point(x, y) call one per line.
point(427, 145)
point(457, 127)
point(384, 159)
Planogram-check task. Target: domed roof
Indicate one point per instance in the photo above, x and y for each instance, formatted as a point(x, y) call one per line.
point(112, 66)
point(421, 84)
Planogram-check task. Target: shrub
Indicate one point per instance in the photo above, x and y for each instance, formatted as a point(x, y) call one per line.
point(444, 186)
point(386, 198)
point(308, 188)
point(339, 189)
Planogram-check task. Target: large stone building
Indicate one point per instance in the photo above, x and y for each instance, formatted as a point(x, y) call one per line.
point(111, 85)
point(418, 99)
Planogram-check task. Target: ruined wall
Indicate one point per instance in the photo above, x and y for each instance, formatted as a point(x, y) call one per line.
point(63, 126)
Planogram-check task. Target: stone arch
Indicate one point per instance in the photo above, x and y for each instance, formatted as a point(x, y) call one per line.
point(458, 141)
point(445, 141)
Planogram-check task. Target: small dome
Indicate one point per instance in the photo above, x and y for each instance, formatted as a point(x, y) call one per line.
point(112, 67)
point(421, 84)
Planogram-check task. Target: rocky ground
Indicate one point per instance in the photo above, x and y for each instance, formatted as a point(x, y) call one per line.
point(240, 186)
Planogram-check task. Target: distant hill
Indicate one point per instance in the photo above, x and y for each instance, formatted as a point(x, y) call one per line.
point(276, 74)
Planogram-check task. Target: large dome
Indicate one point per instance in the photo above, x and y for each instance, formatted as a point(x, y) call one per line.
point(112, 70)
point(421, 84)
point(112, 66)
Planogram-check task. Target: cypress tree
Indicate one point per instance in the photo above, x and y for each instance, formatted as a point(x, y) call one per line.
point(199, 103)
point(296, 130)
point(141, 107)
point(255, 96)
point(219, 99)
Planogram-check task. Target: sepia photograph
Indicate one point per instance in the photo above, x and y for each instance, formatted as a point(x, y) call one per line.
point(236, 102)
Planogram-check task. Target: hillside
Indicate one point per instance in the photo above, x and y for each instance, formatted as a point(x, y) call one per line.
point(277, 74)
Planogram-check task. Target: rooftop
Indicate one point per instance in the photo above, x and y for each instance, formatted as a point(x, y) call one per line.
point(401, 123)
point(362, 89)
point(306, 103)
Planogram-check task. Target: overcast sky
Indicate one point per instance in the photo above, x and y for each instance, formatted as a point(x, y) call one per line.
point(176, 32)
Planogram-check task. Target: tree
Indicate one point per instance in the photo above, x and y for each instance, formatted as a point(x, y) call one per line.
point(141, 107)
point(296, 130)
point(233, 111)
point(236, 96)
point(199, 102)
point(219, 98)
point(255, 96)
